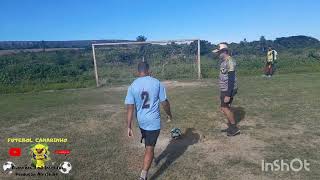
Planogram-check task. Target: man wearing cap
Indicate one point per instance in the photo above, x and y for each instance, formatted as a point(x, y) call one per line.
point(144, 96)
point(228, 86)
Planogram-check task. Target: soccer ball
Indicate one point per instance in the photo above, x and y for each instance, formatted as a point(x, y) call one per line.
point(7, 167)
point(175, 133)
point(65, 167)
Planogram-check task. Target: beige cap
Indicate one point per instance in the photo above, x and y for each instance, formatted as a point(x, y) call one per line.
point(221, 46)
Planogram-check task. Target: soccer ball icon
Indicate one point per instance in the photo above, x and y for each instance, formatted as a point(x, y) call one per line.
point(65, 167)
point(7, 167)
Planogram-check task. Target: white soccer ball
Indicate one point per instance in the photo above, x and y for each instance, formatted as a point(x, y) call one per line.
point(65, 167)
point(8, 166)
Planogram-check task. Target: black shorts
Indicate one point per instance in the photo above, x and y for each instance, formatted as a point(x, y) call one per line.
point(269, 63)
point(150, 137)
point(222, 95)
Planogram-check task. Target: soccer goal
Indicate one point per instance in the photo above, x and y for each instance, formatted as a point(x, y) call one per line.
point(116, 63)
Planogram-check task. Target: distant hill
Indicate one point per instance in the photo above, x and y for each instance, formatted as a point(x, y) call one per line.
point(10, 45)
point(280, 44)
point(297, 42)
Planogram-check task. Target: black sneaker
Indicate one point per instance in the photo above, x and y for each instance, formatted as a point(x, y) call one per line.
point(225, 130)
point(140, 178)
point(233, 131)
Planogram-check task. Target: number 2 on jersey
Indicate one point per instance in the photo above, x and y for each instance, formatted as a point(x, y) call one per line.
point(145, 99)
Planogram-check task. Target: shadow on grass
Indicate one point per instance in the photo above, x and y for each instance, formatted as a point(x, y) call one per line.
point(239, 114)
point(175, 149)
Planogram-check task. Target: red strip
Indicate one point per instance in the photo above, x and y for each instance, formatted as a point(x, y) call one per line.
point(64, 151)
point(15, 151)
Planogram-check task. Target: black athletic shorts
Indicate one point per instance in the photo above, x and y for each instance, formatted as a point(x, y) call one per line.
point(150, 137)
point(269, 63)
point(223, 94)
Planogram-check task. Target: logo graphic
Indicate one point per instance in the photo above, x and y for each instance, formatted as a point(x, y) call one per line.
point(286, 165)
point(40, 155)
point(8, 167)
point(65, 167)
point(15, 151)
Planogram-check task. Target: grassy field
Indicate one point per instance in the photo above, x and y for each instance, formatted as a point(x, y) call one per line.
point(278, 118)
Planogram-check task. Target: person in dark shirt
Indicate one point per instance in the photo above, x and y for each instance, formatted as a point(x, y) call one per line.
point(228, 86)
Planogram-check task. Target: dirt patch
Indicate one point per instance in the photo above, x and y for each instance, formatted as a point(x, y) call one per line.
point(241, 147)
point(109, 108)
point(118, 88)
point(293, 131)
point(89, 126)
point(185, 84)
point(92, 124)
point(104, 108)
point(243, 175)
point(31, 121)
point(162, 143)
point(216, 149)
point(168, 84)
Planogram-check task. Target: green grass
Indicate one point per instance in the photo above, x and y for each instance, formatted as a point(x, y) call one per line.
point(278, 118)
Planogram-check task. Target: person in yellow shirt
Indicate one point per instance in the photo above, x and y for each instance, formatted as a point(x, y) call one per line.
point(271, 58)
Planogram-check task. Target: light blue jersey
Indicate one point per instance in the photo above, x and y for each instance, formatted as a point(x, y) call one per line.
point(146, 93)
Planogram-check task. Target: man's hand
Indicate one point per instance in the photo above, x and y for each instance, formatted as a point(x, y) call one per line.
point(169, 118)
point(226, 99)
point(130, 132)
point(130, 109)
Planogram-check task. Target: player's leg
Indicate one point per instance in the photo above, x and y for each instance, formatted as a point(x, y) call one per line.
point(148, 157)
point(233, 129)
point(222, 105)
point(225, 107)
point(270, 69)
point(229, 114)
point(273, 69)
point(266, 69)
point(150, 140)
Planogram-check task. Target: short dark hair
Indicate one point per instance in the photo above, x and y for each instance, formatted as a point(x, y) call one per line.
point(143, 67)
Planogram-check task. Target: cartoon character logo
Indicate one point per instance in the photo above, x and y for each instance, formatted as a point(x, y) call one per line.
point(40, 155)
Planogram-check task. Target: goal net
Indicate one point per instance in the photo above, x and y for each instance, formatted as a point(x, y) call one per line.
point(116, 63)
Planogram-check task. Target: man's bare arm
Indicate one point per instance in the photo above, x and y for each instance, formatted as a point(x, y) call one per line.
point(166, 106)
point(130, 109)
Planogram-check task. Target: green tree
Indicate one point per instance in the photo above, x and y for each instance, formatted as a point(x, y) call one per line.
point(141, 38)
point(142, 50)
point(263, 43)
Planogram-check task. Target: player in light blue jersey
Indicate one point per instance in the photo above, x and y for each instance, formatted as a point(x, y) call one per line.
point(144, 96)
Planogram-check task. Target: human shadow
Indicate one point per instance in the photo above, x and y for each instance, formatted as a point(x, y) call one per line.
point(239, 114)
point(175, 149)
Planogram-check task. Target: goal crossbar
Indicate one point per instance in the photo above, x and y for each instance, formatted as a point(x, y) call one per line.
point(144, 42)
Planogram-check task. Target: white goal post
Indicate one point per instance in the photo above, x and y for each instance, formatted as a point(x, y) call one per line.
point(141, 43)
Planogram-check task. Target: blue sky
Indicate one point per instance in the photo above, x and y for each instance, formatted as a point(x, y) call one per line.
point(213, 20)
